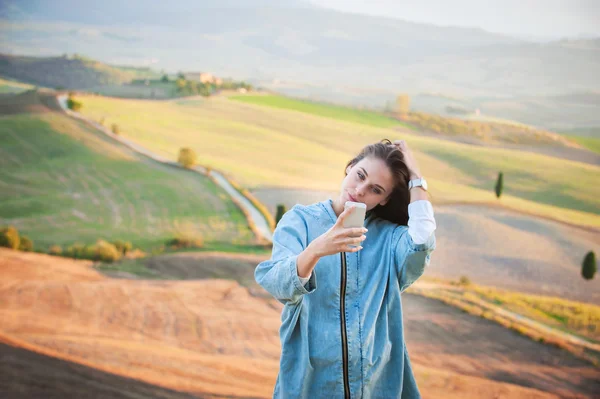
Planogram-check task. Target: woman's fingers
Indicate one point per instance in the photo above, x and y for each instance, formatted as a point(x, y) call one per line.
point(344, 215)
point(355, 231)
point(354, 240)
point(350, 244)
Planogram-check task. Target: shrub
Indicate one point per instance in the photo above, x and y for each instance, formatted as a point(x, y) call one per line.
point(55, 250)
point(499, 184)
point(88, 252)
point(280, 212)
point(187, 157)
point(136, 253)
point(26, 244)
point(75, 251)
point(115, 128)
point(464, 280)
point(106, 252)
point(403, 105)
point(9, 237)
point(185, 242)
point(73, 104)
point(122, 246)
point(589, 266)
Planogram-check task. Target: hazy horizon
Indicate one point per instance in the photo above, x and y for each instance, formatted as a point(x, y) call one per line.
point(530, 20)
point(578, 18)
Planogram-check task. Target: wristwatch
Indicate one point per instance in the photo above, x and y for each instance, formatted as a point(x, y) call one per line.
point(418, 183)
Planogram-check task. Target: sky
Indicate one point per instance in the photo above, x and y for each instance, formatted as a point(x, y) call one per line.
point(532, 19)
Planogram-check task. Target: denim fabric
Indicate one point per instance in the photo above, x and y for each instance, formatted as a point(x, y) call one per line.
point(311, 340)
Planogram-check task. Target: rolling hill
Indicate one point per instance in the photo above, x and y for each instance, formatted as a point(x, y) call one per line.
point(247, 140)
point(8, 86)
point(64, 182)
point(68, 72)
point(27, 374)
point(327, 53)
point(296, 41)
point(214, 338)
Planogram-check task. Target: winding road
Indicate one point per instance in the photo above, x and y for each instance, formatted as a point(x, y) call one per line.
point(262, 226)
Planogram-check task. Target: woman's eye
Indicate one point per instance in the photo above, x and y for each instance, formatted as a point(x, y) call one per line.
point(376, 191)
point(361, 177)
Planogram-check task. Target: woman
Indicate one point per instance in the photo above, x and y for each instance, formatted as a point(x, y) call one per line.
point(342, 334)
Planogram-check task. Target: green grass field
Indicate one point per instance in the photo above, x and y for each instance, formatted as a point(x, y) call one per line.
point(591, 143)
point(346, 114)
point(12, 86)
point(265, 146)
point(63, 182)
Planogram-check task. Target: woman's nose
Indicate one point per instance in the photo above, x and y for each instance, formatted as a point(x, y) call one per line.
point(360, 191)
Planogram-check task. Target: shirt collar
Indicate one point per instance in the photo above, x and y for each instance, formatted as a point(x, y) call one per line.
point(328, 206)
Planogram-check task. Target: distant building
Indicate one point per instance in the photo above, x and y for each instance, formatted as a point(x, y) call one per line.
point(203, 77)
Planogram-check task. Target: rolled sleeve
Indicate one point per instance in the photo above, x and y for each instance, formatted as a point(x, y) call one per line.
point(279, 275)
point(304, 280)
point(301, 283)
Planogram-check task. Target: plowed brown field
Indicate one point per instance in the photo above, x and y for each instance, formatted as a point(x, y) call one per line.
point(212, 337)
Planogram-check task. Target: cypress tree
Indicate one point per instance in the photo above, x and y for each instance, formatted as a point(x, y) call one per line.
point(589, 266)
point(280, 212)
point(499, 184)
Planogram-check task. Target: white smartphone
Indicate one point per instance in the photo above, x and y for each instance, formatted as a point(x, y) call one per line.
point(357, 217)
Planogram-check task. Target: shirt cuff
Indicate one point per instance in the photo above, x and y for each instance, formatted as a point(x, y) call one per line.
point(304, 280)
point(421, 221)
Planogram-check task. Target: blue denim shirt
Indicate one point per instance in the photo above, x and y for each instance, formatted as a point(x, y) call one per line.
point(311, 364)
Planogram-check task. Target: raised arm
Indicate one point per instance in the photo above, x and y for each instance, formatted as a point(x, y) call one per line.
point(414, 244)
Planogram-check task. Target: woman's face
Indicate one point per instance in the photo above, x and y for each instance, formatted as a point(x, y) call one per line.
point(369, 181)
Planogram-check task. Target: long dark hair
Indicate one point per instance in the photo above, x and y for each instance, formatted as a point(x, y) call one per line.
point(396, 209)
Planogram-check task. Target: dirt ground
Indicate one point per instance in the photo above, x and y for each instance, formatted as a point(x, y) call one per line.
point(26, 375)
point(442, 337)
point(214, 338)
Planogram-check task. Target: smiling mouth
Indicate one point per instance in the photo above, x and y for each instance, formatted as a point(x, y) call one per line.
point(352, 198)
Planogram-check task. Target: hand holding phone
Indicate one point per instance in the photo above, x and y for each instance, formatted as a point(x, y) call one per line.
point(346, 235)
